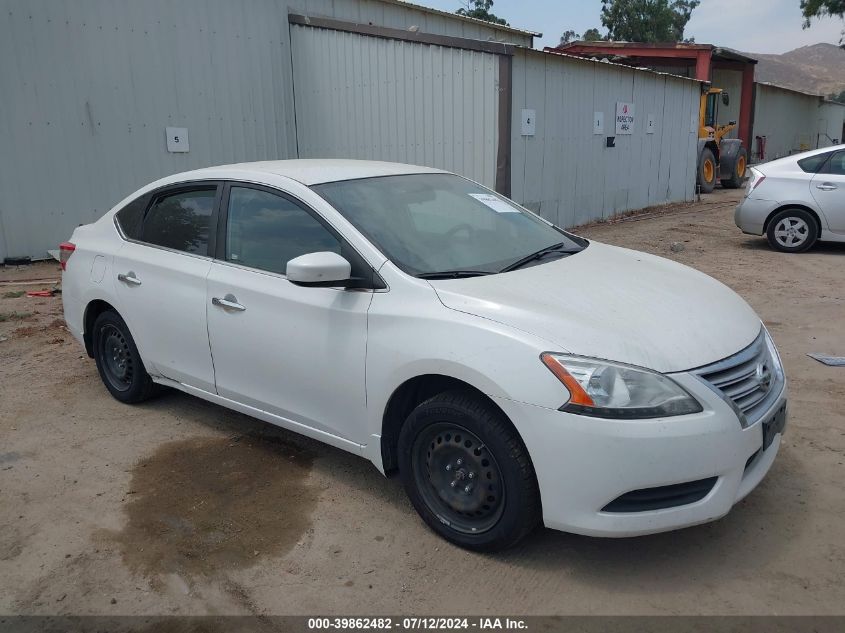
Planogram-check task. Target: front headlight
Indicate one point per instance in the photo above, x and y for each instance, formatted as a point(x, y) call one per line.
point(611, 390)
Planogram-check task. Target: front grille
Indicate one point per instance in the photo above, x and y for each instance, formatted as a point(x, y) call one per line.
point(661, 497)
point(749, 381)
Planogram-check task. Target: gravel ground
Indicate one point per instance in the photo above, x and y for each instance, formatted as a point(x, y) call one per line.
point(179, 506)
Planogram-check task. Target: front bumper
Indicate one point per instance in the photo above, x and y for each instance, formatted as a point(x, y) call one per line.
point(751, 214)
point(583, 463)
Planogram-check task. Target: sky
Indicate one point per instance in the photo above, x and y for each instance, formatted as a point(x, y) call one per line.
point(754, 26)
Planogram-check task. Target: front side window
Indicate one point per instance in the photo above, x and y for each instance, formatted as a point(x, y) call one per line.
point(265, 230)
point(435, 223)
point(710, 111)
point(180, 220)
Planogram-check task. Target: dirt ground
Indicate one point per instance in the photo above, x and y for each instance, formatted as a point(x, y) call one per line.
point(181, 507)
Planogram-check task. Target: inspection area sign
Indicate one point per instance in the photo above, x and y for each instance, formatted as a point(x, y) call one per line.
point(624, 118)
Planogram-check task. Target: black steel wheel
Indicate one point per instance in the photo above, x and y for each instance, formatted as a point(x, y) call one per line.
point(118, 361)
point(118, 364)
point(458, 477)
point(467, 472)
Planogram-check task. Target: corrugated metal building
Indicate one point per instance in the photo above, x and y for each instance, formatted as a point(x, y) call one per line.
point(91, 85)
point(792, 121)
point(566, 172)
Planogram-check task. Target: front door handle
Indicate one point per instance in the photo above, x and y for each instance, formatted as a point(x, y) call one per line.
point(129, 278)
point(826, 186)
point(229, 302)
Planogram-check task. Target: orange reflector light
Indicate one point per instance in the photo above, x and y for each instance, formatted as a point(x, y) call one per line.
point(577, 395)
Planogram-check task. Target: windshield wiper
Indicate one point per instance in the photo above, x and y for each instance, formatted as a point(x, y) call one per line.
point(554, 248)
point(453, 274)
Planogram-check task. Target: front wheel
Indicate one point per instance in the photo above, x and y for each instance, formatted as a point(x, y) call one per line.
point(707, 171)
point(467, 472)
point(792, 231)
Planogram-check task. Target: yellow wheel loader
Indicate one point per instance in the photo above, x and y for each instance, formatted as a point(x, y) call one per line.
point(718, 156)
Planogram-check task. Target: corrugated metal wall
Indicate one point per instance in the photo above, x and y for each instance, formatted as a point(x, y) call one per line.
point(831, 123)
point(565, 172)
point(381, 99)
point(789, 120)
point(400, 15)
point(88, 87)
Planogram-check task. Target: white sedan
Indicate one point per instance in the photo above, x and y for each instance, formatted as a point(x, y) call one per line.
point(511, 372)
point(796, 201)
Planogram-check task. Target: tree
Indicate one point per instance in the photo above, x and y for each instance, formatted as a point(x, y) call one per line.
point(569, 36)
point(837, 97)
point(821, 8)
point(480, 9)
point(590, 35)
point(647, 20)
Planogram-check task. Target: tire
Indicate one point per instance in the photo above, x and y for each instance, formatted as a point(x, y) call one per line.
point(118, 362)
point(792, 231)
point(458, 436)
point(738, 172)
point(707, 175)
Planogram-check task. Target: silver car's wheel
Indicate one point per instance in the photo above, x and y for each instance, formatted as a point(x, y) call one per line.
point(792, 231)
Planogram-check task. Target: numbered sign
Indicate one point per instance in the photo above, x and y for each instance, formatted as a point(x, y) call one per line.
point(598, 122)
point(177, 139)
point(529, 124)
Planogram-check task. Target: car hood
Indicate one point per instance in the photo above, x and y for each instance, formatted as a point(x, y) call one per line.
point(616, 304)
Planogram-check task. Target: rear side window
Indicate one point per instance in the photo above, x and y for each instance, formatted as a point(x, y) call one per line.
point(180, 220)
point(129, 217)
point(813, 164)
point(265, 231)
point(836, 166)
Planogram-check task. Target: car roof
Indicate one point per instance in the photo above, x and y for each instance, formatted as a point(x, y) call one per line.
point(794, 158)
point(309, 171)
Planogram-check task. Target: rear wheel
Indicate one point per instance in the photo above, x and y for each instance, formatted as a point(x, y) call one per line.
point(468, 473)
point(118, 362)
point(738, 171)
point(707, 171)
point(792, 231)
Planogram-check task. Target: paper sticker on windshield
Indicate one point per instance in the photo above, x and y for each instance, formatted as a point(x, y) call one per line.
point(497, 204)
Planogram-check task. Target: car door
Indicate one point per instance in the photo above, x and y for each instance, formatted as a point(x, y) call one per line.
point(161, 271)
point(295, 352)
point(828, 190)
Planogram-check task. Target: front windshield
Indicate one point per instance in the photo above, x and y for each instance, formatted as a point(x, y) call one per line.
point(432, 223)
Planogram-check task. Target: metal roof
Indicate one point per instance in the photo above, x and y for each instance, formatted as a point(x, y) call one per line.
point(548, 50)
point(719, 52)
point(420, 7)
point(769, 84)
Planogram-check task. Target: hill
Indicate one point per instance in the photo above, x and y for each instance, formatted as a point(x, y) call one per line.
point(819, 68)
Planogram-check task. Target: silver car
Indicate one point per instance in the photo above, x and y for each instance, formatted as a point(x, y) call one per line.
point(797, 200)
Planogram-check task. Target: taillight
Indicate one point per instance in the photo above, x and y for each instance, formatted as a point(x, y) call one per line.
point(65, 251)
point(756, 180)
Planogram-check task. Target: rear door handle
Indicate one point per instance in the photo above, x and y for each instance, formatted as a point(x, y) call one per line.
point(826, 186)
point(229, 302)
point(129, 278)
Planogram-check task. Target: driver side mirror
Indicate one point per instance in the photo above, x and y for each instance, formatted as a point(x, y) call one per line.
point(726, 98)
point(323, 269)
